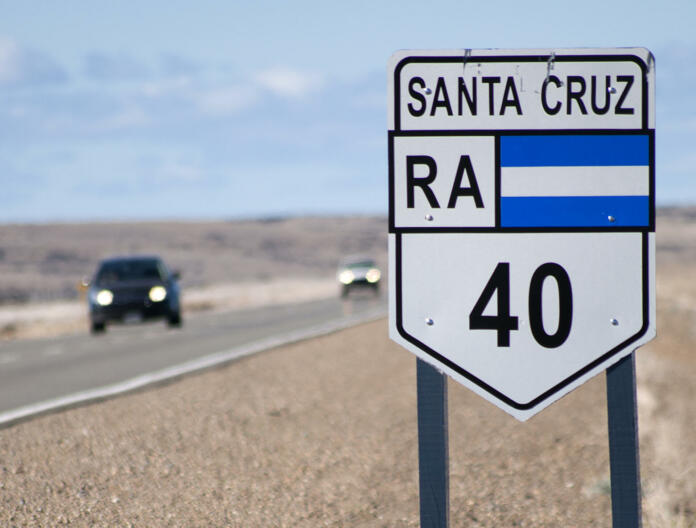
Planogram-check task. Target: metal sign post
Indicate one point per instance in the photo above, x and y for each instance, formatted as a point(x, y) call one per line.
point(624, 458)
point(433, 452)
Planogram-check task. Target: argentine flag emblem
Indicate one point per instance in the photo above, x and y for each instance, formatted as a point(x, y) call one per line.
point(575, 181)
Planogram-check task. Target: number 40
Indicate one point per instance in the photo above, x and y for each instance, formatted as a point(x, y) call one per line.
point(503, 323)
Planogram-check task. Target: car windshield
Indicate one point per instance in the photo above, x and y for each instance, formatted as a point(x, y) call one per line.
point(125, 270)
point(361, 264)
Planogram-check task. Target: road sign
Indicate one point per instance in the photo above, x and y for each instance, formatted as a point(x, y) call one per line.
point(522, 215)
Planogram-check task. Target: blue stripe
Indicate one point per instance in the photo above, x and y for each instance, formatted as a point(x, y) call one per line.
point(574, 150)
point(574, 211)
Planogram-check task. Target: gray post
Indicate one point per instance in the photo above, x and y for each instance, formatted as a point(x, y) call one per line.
point(624, 459)
point(433, 455)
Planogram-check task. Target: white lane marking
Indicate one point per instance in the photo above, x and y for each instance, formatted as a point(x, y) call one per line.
point(189, 367)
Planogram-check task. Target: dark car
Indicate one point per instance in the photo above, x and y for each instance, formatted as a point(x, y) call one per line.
point(358, 272)
point(133, 289)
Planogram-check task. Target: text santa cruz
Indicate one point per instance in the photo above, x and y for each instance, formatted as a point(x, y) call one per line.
point(496, 95)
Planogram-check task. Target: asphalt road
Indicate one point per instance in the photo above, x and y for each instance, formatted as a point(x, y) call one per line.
point(40, 370)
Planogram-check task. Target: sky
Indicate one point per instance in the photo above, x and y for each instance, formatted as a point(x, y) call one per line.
point(136, 110)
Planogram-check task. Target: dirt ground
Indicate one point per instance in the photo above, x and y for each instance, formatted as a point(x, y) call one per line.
point(323, 433)
point(45, 262)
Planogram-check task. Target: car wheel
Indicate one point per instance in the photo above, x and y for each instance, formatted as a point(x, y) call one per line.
point(174, 320)
point(97, 328)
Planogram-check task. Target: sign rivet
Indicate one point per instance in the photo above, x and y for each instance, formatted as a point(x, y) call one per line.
point(612, 90)
point(429, 217)
point(428, 91)
point(615, 322)
point(611, 219)
point(429, 321)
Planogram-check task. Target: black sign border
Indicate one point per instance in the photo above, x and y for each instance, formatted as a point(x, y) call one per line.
point(398, 232)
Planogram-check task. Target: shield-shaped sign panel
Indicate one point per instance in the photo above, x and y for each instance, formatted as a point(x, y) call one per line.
point(522, 215)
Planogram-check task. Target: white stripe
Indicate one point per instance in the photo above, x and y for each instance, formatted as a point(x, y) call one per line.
point(575, 181)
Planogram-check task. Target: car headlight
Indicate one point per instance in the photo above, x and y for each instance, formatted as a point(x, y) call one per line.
point(373, 275)
point(157, 293)
point(346, 277)
point(104, 298)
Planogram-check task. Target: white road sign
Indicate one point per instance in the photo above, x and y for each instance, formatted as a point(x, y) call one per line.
point(522, 215)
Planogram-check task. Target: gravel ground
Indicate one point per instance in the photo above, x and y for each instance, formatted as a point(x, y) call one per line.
point(323, 433)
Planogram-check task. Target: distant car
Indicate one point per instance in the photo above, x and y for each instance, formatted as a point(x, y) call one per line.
point(133, 289)
point(358, 272)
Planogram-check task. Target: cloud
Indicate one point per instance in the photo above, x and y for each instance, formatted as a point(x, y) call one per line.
point(193, 141)
point(113, 67)
point(21, 66)
point(289, 83)
point(229, 100)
